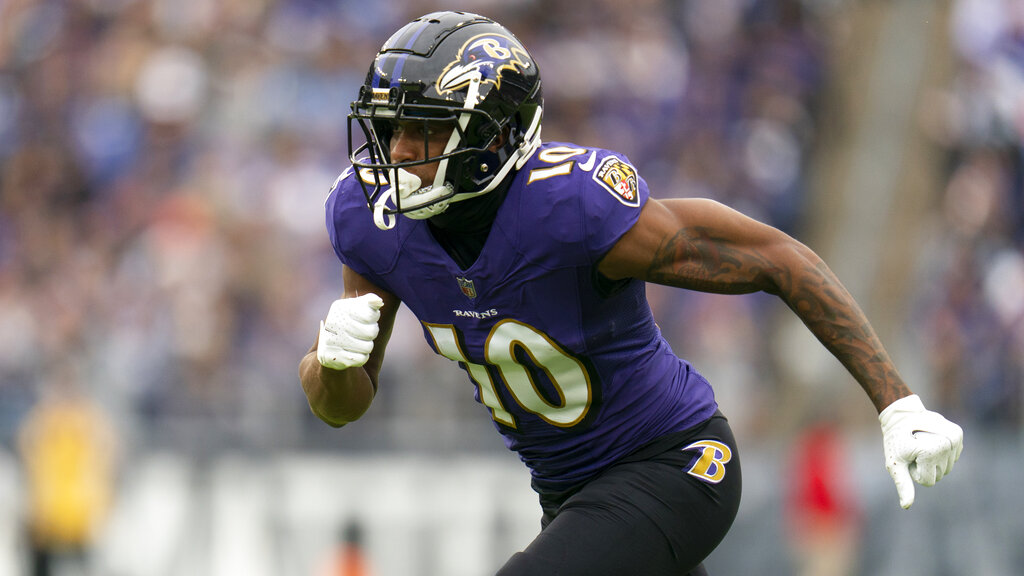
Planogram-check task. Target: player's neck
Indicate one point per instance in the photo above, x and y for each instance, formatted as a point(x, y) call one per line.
point(463, 228)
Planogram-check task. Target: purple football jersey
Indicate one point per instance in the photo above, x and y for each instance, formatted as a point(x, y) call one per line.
point(574, 378)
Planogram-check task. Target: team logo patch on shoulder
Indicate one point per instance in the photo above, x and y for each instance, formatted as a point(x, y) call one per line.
point(620, 179)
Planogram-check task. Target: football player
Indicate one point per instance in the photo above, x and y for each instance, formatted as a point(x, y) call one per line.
point(526, 262)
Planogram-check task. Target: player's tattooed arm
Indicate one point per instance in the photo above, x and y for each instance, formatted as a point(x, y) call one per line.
point(702, 245)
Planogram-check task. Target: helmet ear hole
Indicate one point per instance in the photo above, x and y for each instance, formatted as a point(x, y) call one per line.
point(486, 164)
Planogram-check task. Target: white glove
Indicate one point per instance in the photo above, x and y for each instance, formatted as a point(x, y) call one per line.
point(346, 336)
point(920, 445)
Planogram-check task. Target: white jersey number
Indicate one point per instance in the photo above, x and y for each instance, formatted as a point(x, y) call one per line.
point(562, 158)
point(518, 351)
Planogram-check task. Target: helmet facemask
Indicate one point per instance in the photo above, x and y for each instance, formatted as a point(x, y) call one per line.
point(411, 196)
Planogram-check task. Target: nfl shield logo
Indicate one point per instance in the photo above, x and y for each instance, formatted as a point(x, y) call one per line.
point(466, 285)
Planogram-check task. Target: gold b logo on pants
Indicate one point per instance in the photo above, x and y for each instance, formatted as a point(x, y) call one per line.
point(710, 466)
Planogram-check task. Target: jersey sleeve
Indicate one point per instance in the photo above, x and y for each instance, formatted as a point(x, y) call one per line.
point(338, 209)
point(330, 209)
point(613, 195)
point(347, 218)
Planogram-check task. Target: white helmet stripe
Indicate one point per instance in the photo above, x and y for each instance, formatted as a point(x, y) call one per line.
point(472, 95)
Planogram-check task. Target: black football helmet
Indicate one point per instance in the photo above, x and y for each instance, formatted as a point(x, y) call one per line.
point(457, 69)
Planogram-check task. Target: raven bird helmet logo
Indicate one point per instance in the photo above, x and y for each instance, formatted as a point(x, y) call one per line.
point(489, 54)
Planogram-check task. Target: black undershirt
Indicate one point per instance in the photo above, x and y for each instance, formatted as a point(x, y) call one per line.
point(462, 229)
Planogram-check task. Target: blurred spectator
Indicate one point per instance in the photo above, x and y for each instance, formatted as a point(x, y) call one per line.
point(824, 521)
point(67, 447)
point(349, 559)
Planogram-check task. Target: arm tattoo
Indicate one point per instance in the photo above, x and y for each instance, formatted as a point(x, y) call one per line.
point(694, 259)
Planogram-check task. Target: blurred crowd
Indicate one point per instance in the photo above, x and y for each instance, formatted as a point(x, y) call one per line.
point(163, 165)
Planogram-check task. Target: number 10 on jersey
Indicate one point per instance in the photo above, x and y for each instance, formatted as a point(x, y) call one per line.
point(518, 351)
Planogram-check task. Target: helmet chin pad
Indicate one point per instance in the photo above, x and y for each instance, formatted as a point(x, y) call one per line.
point(421, 202)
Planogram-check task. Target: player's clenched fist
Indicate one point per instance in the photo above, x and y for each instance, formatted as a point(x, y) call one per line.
point(346, 335)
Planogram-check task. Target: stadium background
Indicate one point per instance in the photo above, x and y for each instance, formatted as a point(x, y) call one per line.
point(162, 255)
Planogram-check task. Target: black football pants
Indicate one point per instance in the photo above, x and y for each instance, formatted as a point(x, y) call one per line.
point(658, 512)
